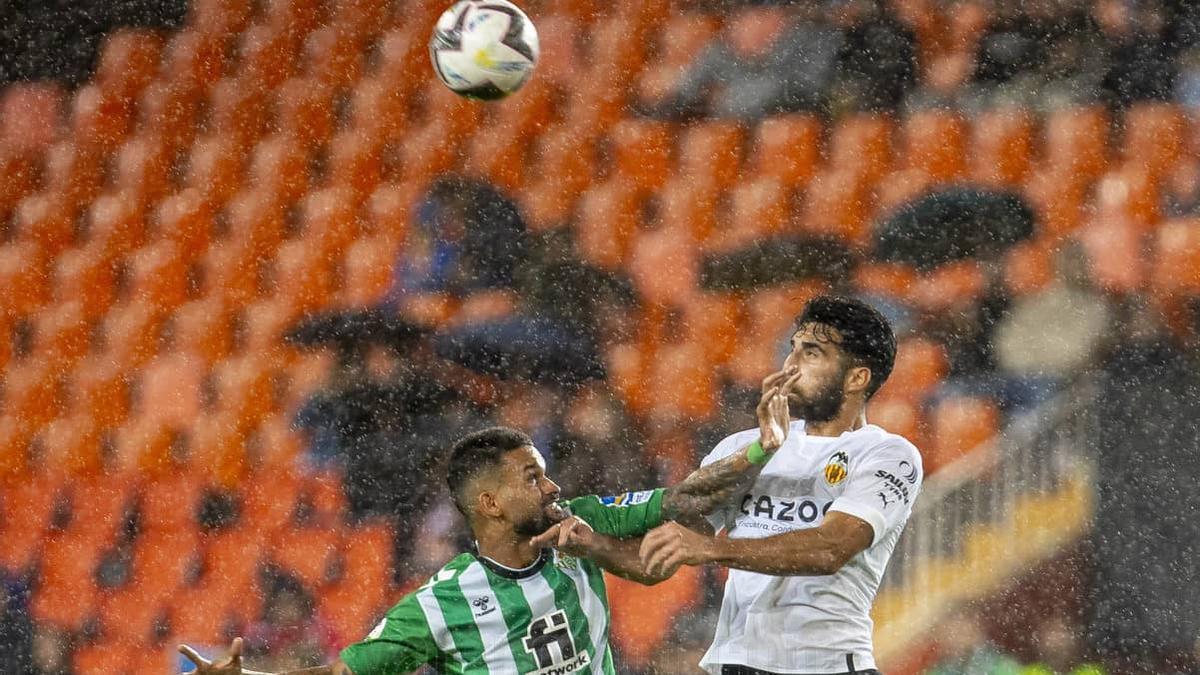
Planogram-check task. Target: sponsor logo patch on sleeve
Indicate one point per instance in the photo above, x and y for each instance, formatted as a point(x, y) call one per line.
point(628, 498)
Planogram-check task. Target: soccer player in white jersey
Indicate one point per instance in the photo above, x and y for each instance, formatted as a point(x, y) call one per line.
point(808, 542)
point(513, 605)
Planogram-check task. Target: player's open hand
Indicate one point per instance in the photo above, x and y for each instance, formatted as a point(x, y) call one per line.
point(670, 545)
point(774, 418)
point(230, 665)
point(571, 536)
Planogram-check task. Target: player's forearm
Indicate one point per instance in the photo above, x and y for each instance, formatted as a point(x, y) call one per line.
point(620, 556)
point(338, 668)
point(708, 488)
point(811, 552)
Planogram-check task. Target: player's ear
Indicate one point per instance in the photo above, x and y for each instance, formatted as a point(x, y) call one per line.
point(487, 504)
point(858, 379)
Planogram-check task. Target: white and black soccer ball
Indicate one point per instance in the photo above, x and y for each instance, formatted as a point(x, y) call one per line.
point(484, 49)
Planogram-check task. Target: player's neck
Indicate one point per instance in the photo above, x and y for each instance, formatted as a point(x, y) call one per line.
point(508, 549)
point(849, 418)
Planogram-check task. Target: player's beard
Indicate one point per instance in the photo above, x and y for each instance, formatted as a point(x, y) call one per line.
point(534, 524)
point(822, 406)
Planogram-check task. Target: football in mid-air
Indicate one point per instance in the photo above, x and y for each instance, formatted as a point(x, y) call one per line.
point(484, 49)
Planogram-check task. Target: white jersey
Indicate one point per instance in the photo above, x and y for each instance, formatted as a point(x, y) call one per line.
point(813, 624)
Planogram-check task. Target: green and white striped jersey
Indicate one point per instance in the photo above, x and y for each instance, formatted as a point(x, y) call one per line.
point(475, 616)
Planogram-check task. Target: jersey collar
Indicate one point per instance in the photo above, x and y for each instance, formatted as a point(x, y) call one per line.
point(511, 572)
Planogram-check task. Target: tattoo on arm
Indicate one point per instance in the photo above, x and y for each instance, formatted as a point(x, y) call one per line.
point(706, 489)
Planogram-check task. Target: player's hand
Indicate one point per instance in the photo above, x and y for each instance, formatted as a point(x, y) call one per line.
point(571, 536)
point(670, 545)
point(774, 419)
point(230, 665)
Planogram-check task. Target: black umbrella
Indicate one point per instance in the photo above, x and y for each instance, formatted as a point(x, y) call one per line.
point(775, 261)
point(531, 348)
point(953, 224)
point(351, 332)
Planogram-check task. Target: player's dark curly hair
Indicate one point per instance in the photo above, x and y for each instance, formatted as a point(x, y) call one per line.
point(867, 337)
point(477, 452)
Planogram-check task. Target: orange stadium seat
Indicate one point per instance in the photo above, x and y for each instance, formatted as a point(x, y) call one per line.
point(329, 219)
point(308, 554)
point(245, 386)
point(348, 610)
point(217, 446)
point(1002, 147)
point(274, 445)
point(686, 205)
point(261, 327)
point(1107, 243)
point(258, 220)
point(935, 142)
point(305, 111)
point(1057, 203)
point(186, 221)
point(218, 17)
point(169, 111)
point(271, 505)
point(387, 211)
point(862, 144)
point(232, 271)
point(67, 596)
point(116, 224)
point(130, 614)
point(128, 61)
point(664, 267)
point(958, 426)
point(333, 55)
point(608, 218)
point(23, 276)
point(323, 493)
point(71, 175)
point(642, 615)
point(757, 209)
point(367, 271)
point(85, 274)
point(202, 618)
point(144, 447)
point(1076, 143)
point(920, 367)
point(836, 205)
point(951, 286)
point(427, 152)
point(303, 275)
point(214, 168)
point(163, 561)
point(1129, 193)
point(28, 510)
point(498, 156)
point(355, 162)
point(99, 387)
point(99, 504)
point(158, 274)
point(1028, 267)
point(900, 416)
point(22, 176)
point(368, 553)
point(295, 17)
point(73, 444)
point(711, 151)
point(237, 111)
point(278, 167)
point(231, 573)
point(46, 220)
point(559, 60)
point(683, 383)
point(31, 391)
point(99, 121)
point(1176, 259)
point(713, 320)
point(203, 329)
point(131, 332)
point(103, 658)
point(642, 152)
point(531, 112)
point(30, 115)
point(266, 57)
point(899, 187)
point(192, 60)
point(560, 170)
point(1154, 137)
point(16, 450)
point(788, 148)
point(365, 19)
point(461, 115)
point(170, 390)
point(378, 110)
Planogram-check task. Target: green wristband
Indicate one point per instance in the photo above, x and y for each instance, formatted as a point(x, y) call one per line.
point(755, 453)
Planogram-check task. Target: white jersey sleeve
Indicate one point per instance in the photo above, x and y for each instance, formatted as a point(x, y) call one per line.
point(882, 485)
point(722, 517)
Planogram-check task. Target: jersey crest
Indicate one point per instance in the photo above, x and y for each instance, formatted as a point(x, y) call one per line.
point(836, 469)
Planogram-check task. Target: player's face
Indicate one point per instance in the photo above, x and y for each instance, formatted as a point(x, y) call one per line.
point(819, 392)
point(527, 496)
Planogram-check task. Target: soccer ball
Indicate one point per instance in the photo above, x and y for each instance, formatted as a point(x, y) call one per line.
point(484, 49)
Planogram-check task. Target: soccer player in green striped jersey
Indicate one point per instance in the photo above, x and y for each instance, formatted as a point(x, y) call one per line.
point(530, 597)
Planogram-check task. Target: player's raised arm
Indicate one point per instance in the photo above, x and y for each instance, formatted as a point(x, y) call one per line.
point(231, 664)
point(714, 485)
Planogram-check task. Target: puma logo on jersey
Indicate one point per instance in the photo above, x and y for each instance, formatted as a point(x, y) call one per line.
point(783, 510)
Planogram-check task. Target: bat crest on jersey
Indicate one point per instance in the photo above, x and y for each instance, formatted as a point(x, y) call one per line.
point(836, 469)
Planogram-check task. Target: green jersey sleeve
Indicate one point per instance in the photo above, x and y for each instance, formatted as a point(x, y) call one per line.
point(627, 515)
point(400, 643)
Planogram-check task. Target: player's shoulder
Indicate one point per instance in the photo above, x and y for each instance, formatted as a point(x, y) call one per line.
point(447, 577)
point(731, 444)
point(879, 442)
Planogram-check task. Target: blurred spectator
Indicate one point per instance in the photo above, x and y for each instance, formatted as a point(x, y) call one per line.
point(1181, 189)
point(769, 59)
point(1143, 65)
point(51, 651)
point(1054, 333)
point(599, 451)
point(16, 629)
point(468, 240)
point(964, 649)
point(877, 65)
point(685, 645)
point(1057, 646)
point(291, 634)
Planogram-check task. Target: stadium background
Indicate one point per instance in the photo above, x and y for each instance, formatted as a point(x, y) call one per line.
point(184, 187)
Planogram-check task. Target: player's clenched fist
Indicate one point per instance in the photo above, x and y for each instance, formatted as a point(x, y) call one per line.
point(668, 546)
